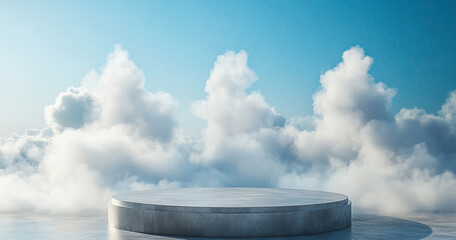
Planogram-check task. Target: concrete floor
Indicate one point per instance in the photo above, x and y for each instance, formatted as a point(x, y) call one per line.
point(364, 226)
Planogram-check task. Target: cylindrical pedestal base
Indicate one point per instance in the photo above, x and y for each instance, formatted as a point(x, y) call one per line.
point(229, 212)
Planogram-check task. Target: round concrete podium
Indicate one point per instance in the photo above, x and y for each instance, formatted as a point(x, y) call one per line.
point(229, 212)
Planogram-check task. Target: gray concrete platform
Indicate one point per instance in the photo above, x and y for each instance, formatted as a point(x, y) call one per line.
point(229, 212)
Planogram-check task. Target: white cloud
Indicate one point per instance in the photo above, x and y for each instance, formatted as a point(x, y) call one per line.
point(119, 91)
point(228, 109)
point(72, 108)
point(111, 135)
point(386, 164)
point(449, 109)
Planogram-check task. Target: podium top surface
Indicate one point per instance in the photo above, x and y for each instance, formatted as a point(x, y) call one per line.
point(228, 198)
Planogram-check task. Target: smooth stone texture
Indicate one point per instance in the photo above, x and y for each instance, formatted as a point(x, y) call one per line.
point(229, 212)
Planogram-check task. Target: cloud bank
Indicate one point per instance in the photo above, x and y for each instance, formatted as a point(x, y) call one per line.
point(111, 134)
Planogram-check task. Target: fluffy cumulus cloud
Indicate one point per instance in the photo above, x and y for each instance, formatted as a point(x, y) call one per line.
point(111, 134)
point(72, 108)
point(228, 110)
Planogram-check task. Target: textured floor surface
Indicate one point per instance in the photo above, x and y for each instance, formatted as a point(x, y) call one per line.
point(364, 226)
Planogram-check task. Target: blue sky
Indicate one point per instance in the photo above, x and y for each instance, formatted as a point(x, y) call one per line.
point(46, 47)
